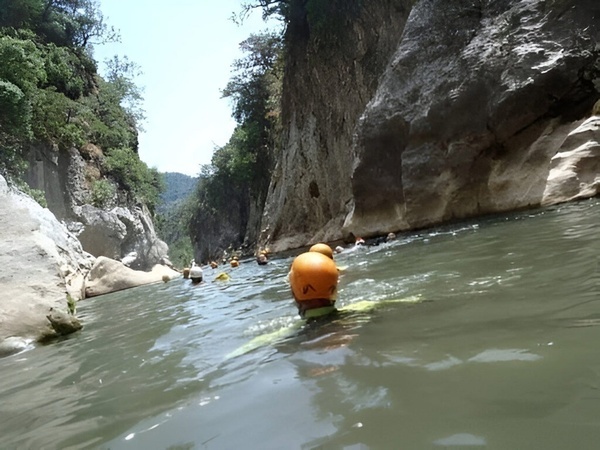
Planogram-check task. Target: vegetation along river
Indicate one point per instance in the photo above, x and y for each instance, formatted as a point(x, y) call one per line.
point(493, 344)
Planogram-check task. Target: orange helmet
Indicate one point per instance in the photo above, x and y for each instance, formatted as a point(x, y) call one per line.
point(313, 276)
point(322, 248)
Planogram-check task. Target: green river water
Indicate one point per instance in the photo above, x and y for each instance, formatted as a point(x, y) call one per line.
point(494, 345)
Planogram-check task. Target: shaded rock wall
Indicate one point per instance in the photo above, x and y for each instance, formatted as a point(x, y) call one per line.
point(460, 109)
point(327, 84)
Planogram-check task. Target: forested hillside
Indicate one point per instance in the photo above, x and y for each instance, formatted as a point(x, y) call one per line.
point(177, 188)
point(174, 214)
point(52, 95)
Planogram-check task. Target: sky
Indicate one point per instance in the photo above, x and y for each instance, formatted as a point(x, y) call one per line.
point(185, 49)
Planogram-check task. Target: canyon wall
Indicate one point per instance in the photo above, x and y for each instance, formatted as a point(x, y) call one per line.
point(436, 111)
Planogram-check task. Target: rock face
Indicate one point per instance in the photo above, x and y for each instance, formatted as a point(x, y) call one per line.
point(120, 231)
point(480, 107)
point(467, 118)
point(41, 262)
point(327, 85)
point(108, 275)
point(118, 228)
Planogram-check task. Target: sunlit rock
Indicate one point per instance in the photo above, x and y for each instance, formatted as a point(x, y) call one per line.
point(108, 275)
point(575, 169)
point(114, 228)
point(476, 110)
point(41, 262)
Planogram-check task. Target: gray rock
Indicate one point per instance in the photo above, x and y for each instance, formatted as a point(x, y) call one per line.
point(108, 275)
point(63, 323)
point(477, 109)
point(468, 117)
point(118, 227)
point(41, 262)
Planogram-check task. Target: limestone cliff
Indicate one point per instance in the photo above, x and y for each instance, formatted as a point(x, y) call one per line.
point(433, 112)
point(327, 84)
point(120, 227)
point(41, 261)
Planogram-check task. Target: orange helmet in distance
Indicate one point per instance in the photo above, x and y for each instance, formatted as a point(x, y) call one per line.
point(313, 276)
point(322, 248)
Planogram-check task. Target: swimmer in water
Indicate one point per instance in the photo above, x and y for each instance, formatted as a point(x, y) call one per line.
point(327, 251)
point(262, 259)
point(322, 248)
point(196, 275)
point(314, 279)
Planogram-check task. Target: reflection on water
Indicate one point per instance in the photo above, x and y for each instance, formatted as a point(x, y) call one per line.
point(497, 352)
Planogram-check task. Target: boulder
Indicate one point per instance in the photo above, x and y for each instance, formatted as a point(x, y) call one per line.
point(575, 169)
point(120, 232)
point(63, 323)
point(41, 263)
point(108, 275)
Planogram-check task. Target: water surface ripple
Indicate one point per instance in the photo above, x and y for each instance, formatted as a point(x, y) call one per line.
point(484, 336)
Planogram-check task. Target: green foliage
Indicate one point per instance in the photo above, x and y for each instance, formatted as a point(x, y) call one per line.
point(36, 194)
point(120, 75)
point(15, 111)
point(254, 90)
point(108, 124)
point(271, 8)
point(71, 304)
point(177, 188)
point(20, 13)
point(134, 175)
point(22, 63)
point(47, 76)
point(12, 161)
point(103, 191)
point(325, 19)
point(172, 227)
point(239, 173)
point(66, 71)
point(53, 119)
point(51, 93)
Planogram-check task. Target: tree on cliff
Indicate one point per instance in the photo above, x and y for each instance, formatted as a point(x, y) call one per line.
point(239, 174)
point(51, 93)
point(323, 17)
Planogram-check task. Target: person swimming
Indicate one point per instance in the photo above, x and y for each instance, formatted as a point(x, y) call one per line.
point(262, 258)
point(322, 248)
point(314, 279)
point(196, 274)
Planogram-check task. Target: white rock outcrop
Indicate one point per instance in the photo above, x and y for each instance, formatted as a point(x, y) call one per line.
point(108, 275)
point(41, 262)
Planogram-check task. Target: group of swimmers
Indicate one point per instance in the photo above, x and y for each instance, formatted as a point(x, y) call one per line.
point(313, 276)
point(195, 273)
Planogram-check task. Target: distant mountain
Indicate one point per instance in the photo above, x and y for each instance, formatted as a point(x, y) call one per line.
point(178, 187)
